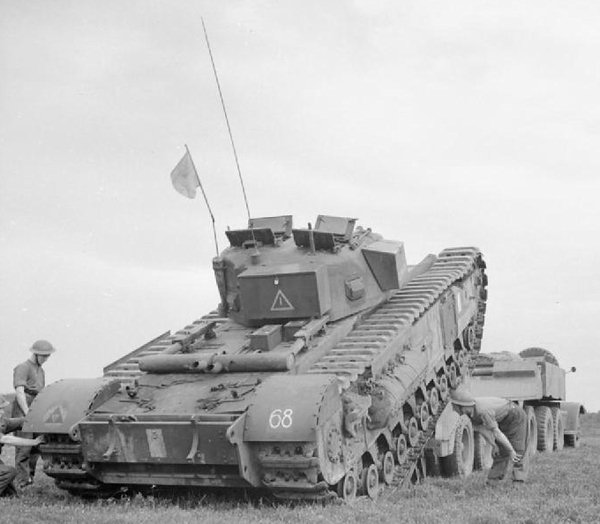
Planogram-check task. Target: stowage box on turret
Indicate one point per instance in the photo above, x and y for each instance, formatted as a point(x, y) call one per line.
point(324, 371)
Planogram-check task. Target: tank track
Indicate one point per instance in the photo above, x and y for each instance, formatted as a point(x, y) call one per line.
point(368, 341)
point(354, 353)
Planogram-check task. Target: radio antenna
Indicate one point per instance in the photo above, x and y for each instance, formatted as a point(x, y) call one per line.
point(237, 163)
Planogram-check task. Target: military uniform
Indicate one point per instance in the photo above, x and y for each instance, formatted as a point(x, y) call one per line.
point(497, 413)
point(31, 377)
point(7, 473)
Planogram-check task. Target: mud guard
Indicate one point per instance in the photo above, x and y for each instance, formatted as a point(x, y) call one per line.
point(445, 429)
point(572, 410)
point(290, 408)
point(60, 406)
point(287, 408)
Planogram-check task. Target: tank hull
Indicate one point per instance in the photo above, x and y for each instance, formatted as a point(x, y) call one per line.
point(355, 389)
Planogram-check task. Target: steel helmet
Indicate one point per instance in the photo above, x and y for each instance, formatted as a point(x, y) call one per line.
point(461, 396)
point(42, 347)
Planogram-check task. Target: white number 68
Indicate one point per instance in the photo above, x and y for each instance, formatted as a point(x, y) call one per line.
point(281, 418)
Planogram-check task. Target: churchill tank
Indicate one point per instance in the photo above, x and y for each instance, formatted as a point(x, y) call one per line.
point(324, 371)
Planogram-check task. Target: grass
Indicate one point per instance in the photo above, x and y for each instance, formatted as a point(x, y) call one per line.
point(563, 487)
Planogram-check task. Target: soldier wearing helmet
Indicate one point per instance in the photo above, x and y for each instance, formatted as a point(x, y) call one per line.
point(28, 381)
point(499, 421)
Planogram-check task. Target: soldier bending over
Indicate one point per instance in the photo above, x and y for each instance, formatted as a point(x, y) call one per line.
point(498, 420)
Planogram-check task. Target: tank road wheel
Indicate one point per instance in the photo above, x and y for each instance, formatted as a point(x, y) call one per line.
point(460, 462)
point(434, 400)
point(482, 456)
point(460, 358)
point(452, 375)
point(348, 486)
point(545, 428)
point(559, 429)
point(412, 432)
point(401, 449)
point(444, 389)
point(423, 415)
point(387, 468)
point(369, 480)
point(532, 435)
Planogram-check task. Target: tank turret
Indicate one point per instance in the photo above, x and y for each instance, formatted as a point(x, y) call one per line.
point(274, 273)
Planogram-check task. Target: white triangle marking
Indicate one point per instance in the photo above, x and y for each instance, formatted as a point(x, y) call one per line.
point(281, 302)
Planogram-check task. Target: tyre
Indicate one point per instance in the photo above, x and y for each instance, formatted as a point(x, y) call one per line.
point(532, 434)
point(545, 428)
point(460, 462)
point(482, 456)
point(539, 352)
point(559, 429)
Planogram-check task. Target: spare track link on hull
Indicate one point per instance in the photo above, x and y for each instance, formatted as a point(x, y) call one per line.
point(350, 357)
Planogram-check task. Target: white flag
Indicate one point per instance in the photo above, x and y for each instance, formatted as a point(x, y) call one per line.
point(184, 177)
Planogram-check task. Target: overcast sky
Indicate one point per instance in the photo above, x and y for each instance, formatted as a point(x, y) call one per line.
point(436, 123)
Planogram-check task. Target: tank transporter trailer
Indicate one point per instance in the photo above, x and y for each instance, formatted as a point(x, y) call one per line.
point(325, 371)
point(534, 380)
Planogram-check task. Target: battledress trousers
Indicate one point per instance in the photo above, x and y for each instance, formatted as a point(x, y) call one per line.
point(7, 473)
point(514, 426)
point(31, 377)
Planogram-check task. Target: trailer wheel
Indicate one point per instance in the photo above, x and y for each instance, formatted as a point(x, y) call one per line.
point(460, 462)
point(545, 428)
point(559, 429)
point(482, 457)
point(532, 433)
point(539, 352)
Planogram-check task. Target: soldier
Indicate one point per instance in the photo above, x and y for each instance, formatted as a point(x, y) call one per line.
point(7, 425)
point(28, 381)
point(499, 421)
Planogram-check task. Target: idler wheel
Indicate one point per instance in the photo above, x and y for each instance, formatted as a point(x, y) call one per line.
point(348, 486)
point(401, 450)
point(434, 400)
point(387, 467)
point(412, 432)
point(370, 481)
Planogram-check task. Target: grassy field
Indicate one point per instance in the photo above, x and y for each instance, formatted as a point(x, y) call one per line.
point(563, 487)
